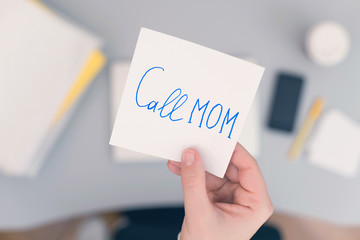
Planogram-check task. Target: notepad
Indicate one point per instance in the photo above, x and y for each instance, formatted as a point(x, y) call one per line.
point(42, 72)
point(335, 144)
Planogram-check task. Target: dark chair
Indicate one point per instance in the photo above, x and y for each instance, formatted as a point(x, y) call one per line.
point(165, 224)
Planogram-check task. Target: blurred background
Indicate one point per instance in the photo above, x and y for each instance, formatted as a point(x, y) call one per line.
point(62, 61)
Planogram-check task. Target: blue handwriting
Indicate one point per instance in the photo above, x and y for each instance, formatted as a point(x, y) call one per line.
point(177, 99)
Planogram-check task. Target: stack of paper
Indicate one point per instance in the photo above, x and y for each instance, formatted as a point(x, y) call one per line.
point(335, 145)
point(45, 65)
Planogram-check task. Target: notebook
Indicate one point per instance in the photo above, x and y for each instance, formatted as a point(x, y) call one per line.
point(43, 71)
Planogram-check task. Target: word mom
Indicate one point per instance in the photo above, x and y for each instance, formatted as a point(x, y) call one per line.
point(210, 118)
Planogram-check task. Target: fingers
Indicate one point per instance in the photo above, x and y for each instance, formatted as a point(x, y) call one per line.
point(213, 182)
point(233, 209)
point(194, 187)
point(249, 174)
point(232, 173)
point(174, 167)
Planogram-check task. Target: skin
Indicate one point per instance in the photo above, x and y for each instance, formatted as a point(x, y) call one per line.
point(233, 207)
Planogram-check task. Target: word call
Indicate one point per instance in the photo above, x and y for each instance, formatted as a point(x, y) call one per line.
point(177, 99)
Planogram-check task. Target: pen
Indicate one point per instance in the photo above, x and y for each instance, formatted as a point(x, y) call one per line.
point(306, 128)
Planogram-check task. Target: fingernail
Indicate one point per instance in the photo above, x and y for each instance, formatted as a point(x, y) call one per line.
point(188, 157)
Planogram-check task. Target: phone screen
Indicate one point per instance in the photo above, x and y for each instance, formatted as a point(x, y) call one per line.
point(285, 102)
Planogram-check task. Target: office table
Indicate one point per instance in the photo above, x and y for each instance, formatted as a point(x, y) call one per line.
point(80, 175)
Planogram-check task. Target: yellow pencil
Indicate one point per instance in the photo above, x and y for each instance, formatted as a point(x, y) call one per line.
point(305, 129)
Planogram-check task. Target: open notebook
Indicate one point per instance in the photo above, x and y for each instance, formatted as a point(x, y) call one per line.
point(43, 71)
point(249, 137)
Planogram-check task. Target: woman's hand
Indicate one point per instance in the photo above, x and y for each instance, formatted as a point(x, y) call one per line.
point(233, 207)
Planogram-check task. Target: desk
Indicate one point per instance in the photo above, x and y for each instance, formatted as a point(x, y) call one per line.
point(80, 176)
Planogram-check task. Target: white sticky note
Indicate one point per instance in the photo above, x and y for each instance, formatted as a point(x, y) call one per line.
point(179, 95)
point(249, 136)
point(334, 145)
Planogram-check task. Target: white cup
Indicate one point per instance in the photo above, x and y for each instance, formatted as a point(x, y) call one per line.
point(327, 43)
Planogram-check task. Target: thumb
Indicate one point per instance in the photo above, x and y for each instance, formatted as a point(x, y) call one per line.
point(193, 183)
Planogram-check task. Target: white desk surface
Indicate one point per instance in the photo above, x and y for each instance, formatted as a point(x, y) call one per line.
point(80, 176)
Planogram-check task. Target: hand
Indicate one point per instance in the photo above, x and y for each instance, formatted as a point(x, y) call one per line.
point(233, 207)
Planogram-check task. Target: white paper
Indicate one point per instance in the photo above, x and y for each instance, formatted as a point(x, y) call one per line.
point(178, 95)
point(41, 57)
point(249, 136)
point(335, 145)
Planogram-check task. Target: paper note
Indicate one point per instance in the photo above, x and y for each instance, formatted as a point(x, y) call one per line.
point(249, 136)
point(179, 95)
point(335, 145)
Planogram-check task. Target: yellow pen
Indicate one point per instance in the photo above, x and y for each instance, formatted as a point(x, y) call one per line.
point(306, 128)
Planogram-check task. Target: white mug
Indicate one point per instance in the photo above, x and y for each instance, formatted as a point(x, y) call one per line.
point(327, 43)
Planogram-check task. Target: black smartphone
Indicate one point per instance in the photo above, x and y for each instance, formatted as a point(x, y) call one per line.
point(285, 101)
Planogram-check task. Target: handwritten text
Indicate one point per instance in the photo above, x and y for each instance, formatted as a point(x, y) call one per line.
point(208, 116)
